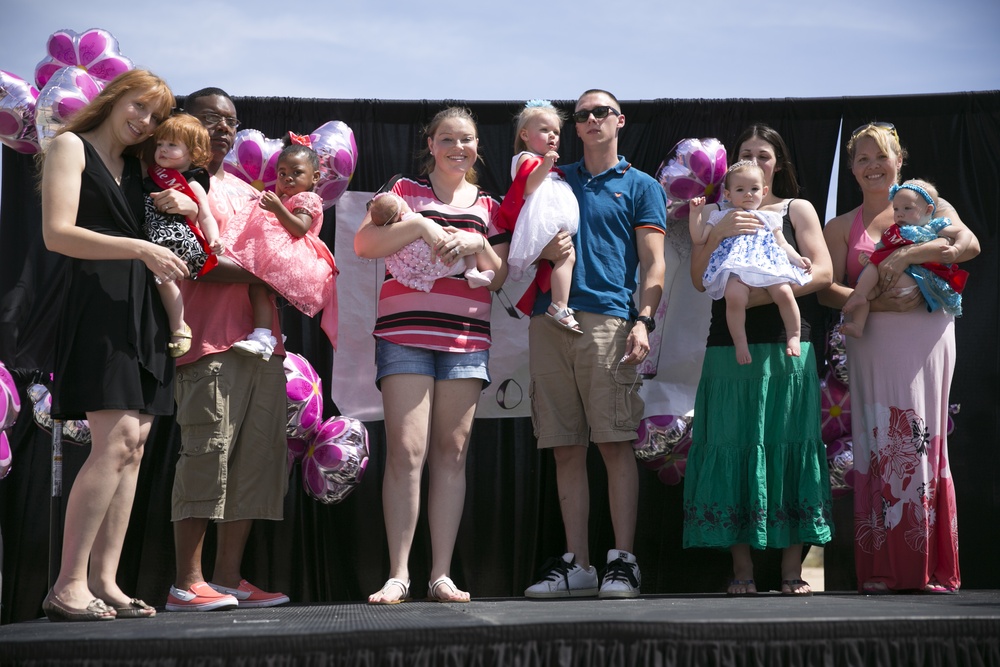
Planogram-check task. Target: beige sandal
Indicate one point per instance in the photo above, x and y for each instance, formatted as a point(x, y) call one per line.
point(183, 345)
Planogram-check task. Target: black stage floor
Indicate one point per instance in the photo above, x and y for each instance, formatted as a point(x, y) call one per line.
point(829, 629)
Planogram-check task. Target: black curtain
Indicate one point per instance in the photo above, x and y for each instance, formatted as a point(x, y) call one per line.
point(321, 553)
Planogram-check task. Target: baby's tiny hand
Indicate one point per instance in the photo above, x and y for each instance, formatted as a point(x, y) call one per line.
point(806, 265)
point(553, 156)
point(863, 259)
point(270, 201)
point(217, 247)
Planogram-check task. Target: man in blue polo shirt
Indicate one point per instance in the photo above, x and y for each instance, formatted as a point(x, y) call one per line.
point(585, 386)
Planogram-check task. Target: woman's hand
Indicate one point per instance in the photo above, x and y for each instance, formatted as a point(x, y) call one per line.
point(173, 202)
point(898, 300)
point(736, 222)
point(164, 264)
point(456, 244)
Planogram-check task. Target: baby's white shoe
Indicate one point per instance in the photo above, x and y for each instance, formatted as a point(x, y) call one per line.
point(259, 343)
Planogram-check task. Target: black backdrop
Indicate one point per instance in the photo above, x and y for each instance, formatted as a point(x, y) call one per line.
point(511, 521)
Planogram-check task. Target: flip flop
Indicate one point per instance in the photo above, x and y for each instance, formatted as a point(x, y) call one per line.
point(404, 586)
point(741, 582)
point(935, 588)
point(875, 588)
point(792, 584)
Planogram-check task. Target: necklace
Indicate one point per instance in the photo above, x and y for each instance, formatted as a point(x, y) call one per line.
point(113, 166)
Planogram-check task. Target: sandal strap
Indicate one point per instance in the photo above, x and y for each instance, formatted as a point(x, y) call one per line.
point(404, 586)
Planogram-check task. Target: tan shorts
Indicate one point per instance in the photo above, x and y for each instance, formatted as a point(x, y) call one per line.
point(580, 391)
point(232, 412)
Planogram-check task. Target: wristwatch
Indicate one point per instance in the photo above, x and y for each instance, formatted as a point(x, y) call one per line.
point(648, 321)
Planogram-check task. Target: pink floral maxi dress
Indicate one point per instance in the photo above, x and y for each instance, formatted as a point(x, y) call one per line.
point(905, 520)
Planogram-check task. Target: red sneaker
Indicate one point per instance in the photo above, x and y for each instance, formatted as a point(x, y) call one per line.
point(251, 597)
point(200, 597)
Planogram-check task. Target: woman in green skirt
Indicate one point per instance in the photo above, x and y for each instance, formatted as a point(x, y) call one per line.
point(757, 473)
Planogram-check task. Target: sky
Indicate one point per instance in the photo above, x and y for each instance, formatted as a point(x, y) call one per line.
point(524, 49)
point(517, 49)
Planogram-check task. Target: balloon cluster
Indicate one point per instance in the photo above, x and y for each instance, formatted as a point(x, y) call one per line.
point(662, 445)
point(10, 406)
point(75, 431)
point(695, 168)
point(254, 159)
point(75, 69)
point(334, 453)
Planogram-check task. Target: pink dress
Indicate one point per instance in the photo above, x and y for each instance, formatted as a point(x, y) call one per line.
point(302, 269)
point(905, 520)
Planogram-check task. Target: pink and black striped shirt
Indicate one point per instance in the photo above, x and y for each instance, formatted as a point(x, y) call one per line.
point(452, 317)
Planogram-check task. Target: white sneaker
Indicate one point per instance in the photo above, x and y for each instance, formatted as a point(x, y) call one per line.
point(261, 345)
point(621, 577)
point(563, 578)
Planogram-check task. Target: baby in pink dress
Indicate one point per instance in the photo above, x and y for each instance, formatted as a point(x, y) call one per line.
point(414, 265)
point(278, 241)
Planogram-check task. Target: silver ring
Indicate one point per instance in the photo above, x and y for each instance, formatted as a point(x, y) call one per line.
point(454, 251)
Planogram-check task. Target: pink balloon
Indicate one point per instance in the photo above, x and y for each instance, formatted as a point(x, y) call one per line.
point(65, 93)
point(334, 142)
point(336, 460)
point(696, 168)
point(840, 458)
point(6, 457)
point(17, 113)
point(75, 431)
point(94, 51)
point(305, 397)
point(10, 400)
point(658, 435)
point(662, 445)
point(254, 159)
point(835, 408)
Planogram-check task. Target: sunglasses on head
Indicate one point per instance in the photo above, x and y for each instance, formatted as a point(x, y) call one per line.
point(888, 127)
point(600, 113)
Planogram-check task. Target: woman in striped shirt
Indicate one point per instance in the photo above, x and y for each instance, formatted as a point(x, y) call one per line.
point(432, 348)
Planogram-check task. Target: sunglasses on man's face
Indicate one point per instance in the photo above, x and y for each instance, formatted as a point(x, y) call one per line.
point(888, 127)
point(599, 113)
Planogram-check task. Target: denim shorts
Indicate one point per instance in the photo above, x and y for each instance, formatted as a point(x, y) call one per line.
point(395, 359)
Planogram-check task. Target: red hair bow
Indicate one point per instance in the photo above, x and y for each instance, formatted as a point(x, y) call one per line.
point(300, 139)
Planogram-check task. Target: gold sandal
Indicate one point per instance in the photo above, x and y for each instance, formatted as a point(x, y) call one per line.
point(181, 347)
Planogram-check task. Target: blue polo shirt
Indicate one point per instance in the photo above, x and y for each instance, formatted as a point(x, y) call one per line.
point(613, 205)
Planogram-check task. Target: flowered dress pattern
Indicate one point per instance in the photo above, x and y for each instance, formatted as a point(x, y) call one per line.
point(302, 270)
point(756, 259)
point(905, 518)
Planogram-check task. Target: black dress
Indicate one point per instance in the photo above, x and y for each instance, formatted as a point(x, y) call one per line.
point(111, 340)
